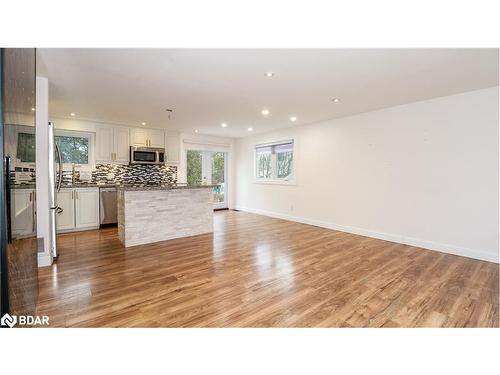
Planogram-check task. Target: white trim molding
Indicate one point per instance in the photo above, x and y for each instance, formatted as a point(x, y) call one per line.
point(44, 259)
point(429, 245)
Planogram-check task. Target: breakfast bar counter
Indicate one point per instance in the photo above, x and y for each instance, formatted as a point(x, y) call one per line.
point(155, 213)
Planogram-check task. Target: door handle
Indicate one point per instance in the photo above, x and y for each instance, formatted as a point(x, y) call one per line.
point(59, 160)
point(58, 210)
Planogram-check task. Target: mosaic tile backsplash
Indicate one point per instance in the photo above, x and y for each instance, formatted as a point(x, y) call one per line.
point(123, 174)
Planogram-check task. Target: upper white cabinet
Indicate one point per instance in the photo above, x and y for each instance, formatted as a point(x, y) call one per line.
point(156, 138)
point(173, 147)
point(23, 212)
point(112, 144)
point(138, 137)
point(121, 144)
point(147, 137)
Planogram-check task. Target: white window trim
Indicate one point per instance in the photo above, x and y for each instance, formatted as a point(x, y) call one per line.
point(290, 180)
point(75, 133)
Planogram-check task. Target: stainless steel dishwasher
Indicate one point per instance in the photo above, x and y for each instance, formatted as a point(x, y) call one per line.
point(108, 206)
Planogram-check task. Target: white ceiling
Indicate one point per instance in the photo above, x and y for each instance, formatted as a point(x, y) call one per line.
point(206, 87)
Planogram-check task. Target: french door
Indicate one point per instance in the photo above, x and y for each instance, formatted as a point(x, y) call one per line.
point(209, 167)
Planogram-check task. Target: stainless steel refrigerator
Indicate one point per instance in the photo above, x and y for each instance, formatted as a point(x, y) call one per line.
point(55, 180)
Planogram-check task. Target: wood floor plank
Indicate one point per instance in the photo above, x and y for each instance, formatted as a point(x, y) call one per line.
point(256, 271)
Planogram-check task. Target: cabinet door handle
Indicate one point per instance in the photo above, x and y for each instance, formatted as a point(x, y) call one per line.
point(72, 195)
point(30, 195)
point(76, 194)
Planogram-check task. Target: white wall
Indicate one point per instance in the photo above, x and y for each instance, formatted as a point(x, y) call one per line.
point(424, 173)
point(42, 170)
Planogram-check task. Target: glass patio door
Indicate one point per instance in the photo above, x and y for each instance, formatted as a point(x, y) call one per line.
point(208, 167)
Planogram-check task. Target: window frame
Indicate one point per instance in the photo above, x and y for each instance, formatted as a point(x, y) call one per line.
point(274, 180)
point(79, 134)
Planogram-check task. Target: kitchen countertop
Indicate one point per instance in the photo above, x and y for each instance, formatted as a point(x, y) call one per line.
point(124, 187)
point(64, 186)
point(23, 186)
point(162, 187)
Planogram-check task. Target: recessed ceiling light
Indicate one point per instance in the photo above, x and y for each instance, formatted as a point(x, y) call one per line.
point(72, 114)
point(293, 119)
point(196, 131)
point(269, 74)
point(250, 129)
point(224, 125)
point(265, 112)
point(33, 109)
point(143, 123)
point(335, 100)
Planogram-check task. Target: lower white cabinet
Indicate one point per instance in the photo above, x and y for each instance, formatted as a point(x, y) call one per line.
point(80, 209)
point(66, 219)
point(86, 208)
point(22, 212)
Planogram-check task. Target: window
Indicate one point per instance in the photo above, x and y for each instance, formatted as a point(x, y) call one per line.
point(75, 147)
point(274, 161)
point(25, 147)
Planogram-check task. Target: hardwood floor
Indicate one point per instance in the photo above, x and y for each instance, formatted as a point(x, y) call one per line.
point(256, 271)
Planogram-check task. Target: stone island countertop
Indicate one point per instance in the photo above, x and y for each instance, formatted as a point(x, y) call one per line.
point(146, 187)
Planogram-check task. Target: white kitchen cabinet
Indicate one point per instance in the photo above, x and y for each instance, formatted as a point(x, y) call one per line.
point(86, 207)
point(112, 144)
point(173, 148)
point(23, 212)
point(80, 209)
point(66, 200)
point(143, 137)
point(121, 144)
point(104, 143)
point(138, 137)
point(156, 138)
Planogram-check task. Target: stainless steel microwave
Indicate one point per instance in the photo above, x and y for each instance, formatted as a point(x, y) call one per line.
point(147, 155)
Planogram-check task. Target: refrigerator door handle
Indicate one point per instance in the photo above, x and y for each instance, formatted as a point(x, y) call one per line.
point(59, 161)
point(59, 210)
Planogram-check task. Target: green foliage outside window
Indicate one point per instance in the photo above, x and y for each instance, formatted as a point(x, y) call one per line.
point(284, 164)
point(217, 167)
point(264, 165)
point(26, 147)
point(74, 150)
point(194, 161)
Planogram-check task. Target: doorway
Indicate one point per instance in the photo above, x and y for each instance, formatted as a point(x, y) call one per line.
point(209, 167)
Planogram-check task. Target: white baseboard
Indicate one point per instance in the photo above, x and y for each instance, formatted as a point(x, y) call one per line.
point(430, 245)
point(44, 259)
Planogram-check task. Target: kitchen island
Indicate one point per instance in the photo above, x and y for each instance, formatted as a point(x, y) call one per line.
point(149, 214)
